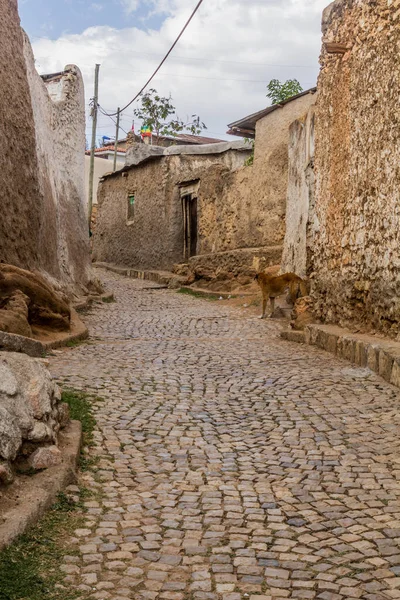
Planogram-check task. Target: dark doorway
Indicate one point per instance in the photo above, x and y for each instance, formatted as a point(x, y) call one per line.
point(189, 207)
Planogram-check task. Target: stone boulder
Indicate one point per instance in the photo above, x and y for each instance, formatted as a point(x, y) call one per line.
point(27, 299)
point(31, 411)
point(302, 314)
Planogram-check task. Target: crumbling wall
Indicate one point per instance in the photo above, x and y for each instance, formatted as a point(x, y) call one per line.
point(300, 197)
point(356, 257)
point(246, 208)
point(59, 118)
point(43, 223)
point(153, 238)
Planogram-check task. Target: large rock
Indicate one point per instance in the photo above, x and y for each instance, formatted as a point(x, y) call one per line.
point(27, 299)
point(14, 315)
point(43, 458)
point(31, 411)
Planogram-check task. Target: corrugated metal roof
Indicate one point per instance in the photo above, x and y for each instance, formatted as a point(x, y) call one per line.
point(249, 123)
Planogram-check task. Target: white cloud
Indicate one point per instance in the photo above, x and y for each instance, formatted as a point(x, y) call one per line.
point(220, 67)
point(130, 6)
point(96, 6)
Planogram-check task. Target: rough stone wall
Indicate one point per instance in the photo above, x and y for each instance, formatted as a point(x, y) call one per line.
point(43, 224)
point(154, 238)
point(356, 258)
point(31, 415)
point(246, 208)
point(300, 197)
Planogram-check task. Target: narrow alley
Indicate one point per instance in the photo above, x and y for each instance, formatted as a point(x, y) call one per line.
point(232, 464)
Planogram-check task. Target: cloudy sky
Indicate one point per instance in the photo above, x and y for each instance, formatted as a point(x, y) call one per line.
point(219, 70)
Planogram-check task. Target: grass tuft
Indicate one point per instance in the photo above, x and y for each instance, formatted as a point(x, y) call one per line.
point(29, 568)
point(195, 294)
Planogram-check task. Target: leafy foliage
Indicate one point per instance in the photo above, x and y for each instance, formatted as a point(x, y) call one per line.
point(250, 160)
point(158, 114)
point(279, 92)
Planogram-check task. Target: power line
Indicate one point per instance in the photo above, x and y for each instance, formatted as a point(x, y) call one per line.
point(163, 60)
point(110, 117)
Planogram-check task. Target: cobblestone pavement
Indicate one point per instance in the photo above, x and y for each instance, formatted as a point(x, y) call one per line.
point(232, 464)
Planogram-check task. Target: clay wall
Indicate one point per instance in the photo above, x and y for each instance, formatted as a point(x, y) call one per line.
point(43, 224)
point(246, 208)
point(356, 256)
point(300, 197)
point(153, 238)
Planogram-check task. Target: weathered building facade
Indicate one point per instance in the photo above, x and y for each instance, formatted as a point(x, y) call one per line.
point(356, 250)
point(43, 224)
point(151, 213)
point(236, 224)
point(263, 187)
point(300, 204)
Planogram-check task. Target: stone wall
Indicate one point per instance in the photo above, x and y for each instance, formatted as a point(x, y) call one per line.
point(356, 257)
point(300, 228)
point(153, 239)
point(239, 207)
point(246, 208)
point(31, 415)
point(43, 224)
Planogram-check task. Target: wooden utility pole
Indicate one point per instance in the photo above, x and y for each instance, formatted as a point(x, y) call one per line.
point(116, 140)
point(93, 146)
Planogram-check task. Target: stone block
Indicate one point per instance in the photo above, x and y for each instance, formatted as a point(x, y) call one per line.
point(373, 357)
point(385, 364)
point(395, 374)
point(43, 458)
point(360, 353)
point(31, 411)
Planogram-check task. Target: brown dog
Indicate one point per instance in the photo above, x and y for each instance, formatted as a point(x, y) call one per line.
point(273, 286)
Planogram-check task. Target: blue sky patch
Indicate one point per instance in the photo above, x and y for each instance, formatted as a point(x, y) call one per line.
point(51, 19)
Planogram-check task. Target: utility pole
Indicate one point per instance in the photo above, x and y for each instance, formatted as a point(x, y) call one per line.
point(116, 140)
point(93, 146)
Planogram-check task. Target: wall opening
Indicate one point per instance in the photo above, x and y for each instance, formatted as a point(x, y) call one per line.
point(189, 194)
point(131, 206)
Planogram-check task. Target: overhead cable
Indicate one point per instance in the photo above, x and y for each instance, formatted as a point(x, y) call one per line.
point(162, 62)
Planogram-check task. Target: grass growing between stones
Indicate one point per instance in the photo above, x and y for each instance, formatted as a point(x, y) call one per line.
point(29, 568)
point(81, 409)
point(195, 294)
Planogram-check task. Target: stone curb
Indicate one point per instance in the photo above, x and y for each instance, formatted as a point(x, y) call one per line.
point(290, 335)
point(164, 278)
point(36, 494)
point(380, 355)
point(224, 295)
point(161, 277)
point(18, 343)
point(90, 300)
point(80, 333)
point(37, 349)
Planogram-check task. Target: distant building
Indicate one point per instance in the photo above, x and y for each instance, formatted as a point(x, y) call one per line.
point(103, 164)
point(181, 139)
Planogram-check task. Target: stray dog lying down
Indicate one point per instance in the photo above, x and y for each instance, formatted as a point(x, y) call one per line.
point(273, 286)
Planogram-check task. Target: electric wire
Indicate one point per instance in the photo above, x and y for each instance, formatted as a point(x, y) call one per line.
point(162, 62)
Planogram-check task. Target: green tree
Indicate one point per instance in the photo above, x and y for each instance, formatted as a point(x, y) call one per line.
point(278, 92)
point(158, 114)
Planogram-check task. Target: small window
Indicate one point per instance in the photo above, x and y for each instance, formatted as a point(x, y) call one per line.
point(131, 206)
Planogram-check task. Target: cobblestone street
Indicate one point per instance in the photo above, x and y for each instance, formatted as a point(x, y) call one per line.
point(233, 465)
